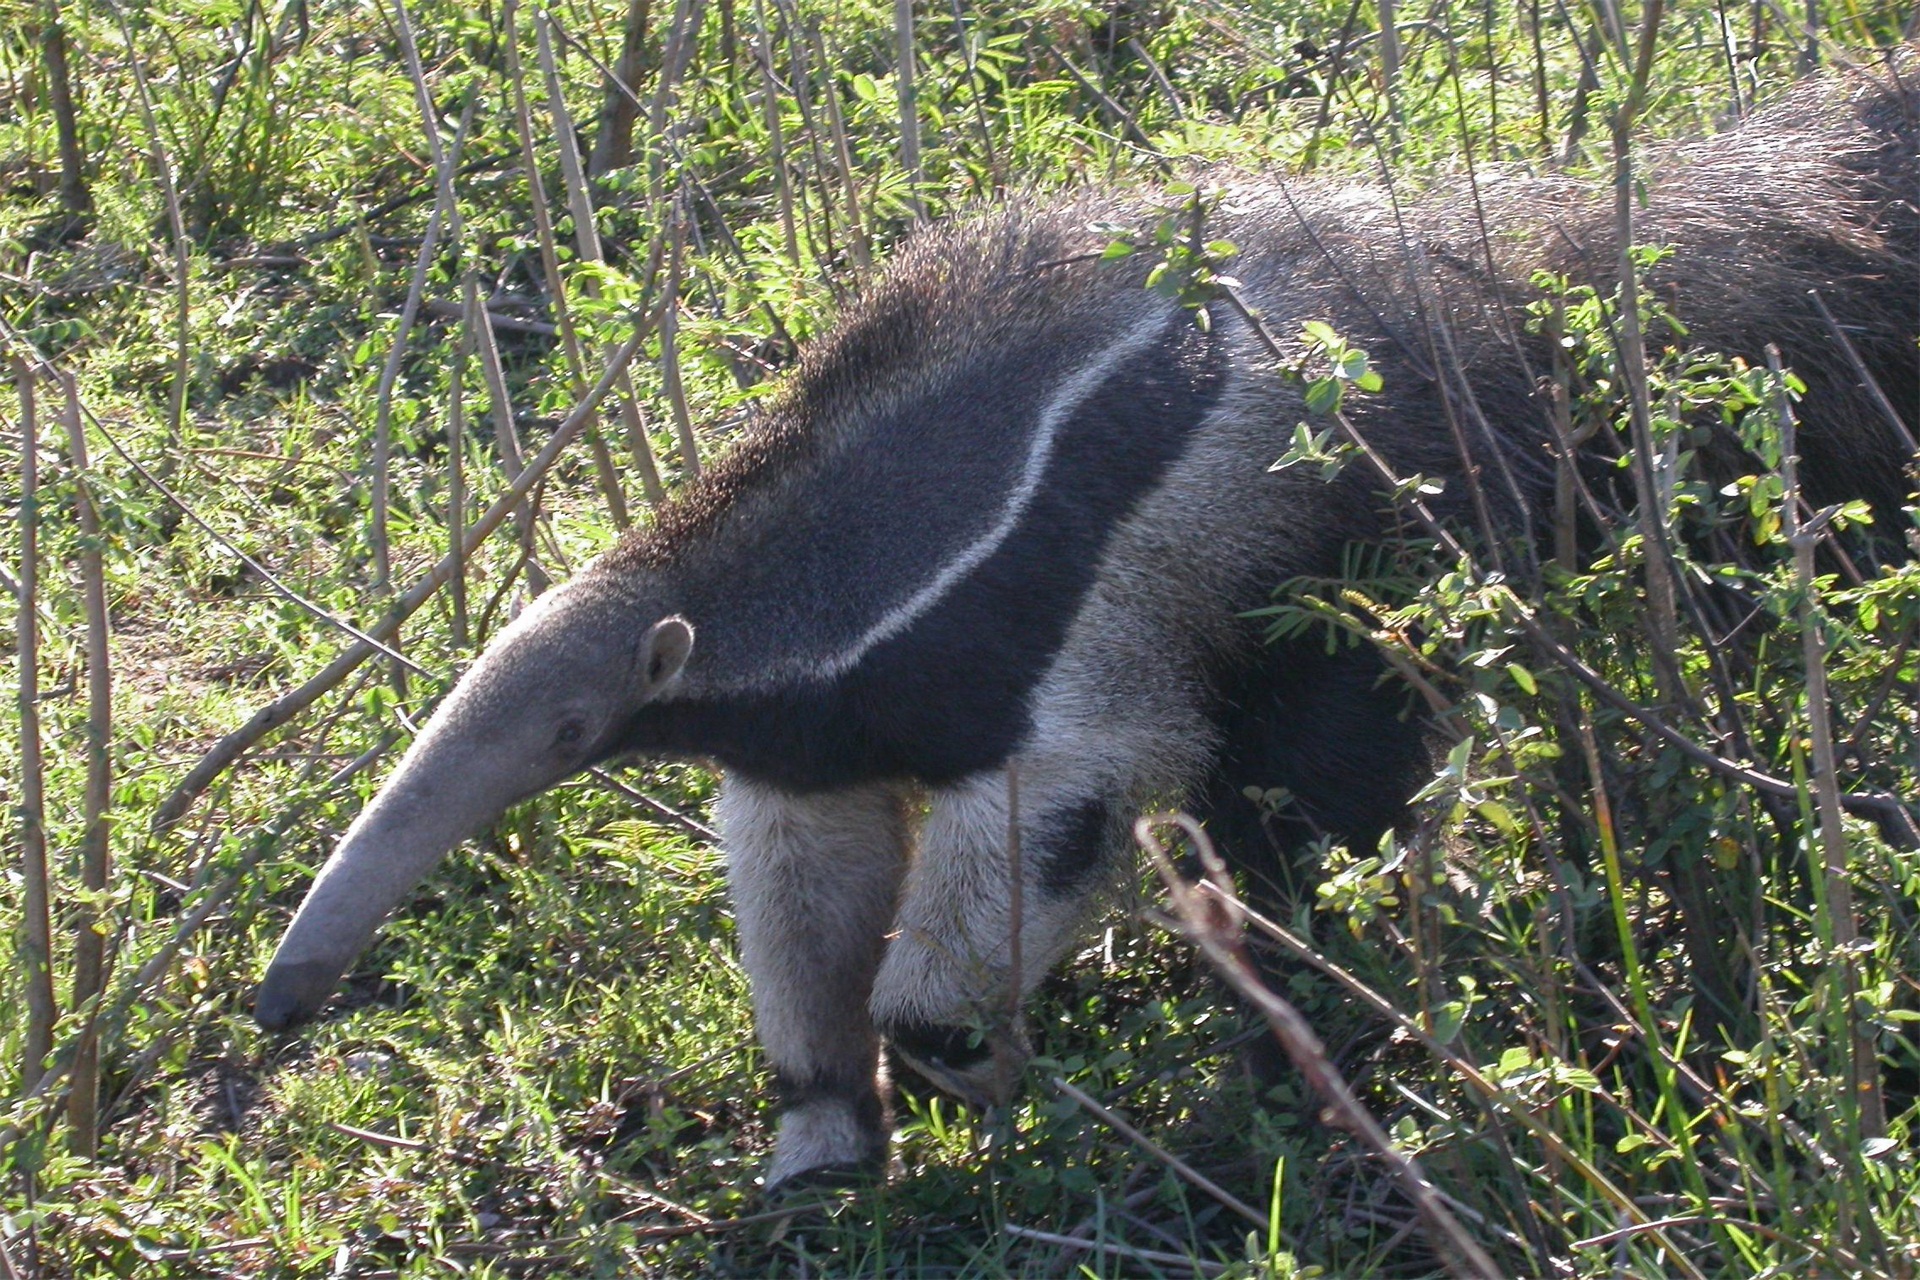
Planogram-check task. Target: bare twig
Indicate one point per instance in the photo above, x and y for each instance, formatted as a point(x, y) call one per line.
point(506, 435)
point(1884, 807)
point(903, 53)
point(1009, 1047)
point(90, 923)
point(290, 704)
point(36, 929)
point(1180, 1262)
point(74, 197)
point(1656, 550)
point(1183, 1170)
point(604, 472)
point(613, 144)
point(440, 223)
point(770, 100)
point(1211, 923)
point(859, 241)
point(670, 378)
point(1868, 383)
point(176, 223)
point(1842, 926)
point(658, 808)
point(457, 482)
point(1491, 1094)
point(51, 1086)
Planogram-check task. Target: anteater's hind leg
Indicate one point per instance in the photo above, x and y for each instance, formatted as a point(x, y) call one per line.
point(815, 880)
point(1340, 736)
point(1337, 732)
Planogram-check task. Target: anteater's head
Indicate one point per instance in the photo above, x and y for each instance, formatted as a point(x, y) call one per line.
point(551, 696)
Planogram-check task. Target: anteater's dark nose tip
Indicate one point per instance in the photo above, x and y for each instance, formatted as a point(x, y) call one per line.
point(291, 994)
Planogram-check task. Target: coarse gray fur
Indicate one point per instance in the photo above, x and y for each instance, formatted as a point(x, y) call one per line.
point(1008, 517)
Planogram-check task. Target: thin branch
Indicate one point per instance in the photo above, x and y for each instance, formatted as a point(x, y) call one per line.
point(1181, 1168)
point(89, 926)
point(1210, 922)
point(290, 704)
point(36, 928)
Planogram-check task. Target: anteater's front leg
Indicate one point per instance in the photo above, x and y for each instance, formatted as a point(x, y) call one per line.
point(815, 880)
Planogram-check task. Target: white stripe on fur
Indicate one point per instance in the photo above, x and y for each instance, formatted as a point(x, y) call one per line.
point(1059, 409)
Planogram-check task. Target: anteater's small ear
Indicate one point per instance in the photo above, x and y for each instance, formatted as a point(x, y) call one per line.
point(663, 651)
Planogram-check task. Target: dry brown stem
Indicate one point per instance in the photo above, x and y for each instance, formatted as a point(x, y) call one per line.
point(291, 704)
point(90, 922)
point(36, 928)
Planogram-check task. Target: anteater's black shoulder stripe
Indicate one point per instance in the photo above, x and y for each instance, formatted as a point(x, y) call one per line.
point(948, 694)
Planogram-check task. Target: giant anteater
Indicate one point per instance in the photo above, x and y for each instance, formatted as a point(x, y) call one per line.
point(1010, 512)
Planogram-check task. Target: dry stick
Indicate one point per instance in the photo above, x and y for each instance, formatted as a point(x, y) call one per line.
point(36, 929)
point(586, 234)
point(506, 435)
point(457, 480)
point(1863, 1074)
point(670, 378)
point(132, 1078)
point(1159, 77)
point(1877, 805)
point(90, 921)
point(443, 221)
point(1730, 57)
point(1181, 1168)
point(49, 1089)
point(1656, 551)
point(658, 808)
point(443, 165)
point(638, 446)
point(1490, 1094)
point(682, 34)
point(267, 575)
point(1867, 381)
point(290, 704)
point(613, 145)
point(1179, 1261)
point(1009, 1048)
point(1542, 103)
point(74, 197)
point(675, 232)
point(1390, 68)
point(978, 96)
point(509, 323)
point(776, 133)
point(439, 224)
point(1117, 113)
point(860, 243)
point(798, 55)
point(604, 472)
point(1216, 927)
point(176, 222)
point(380, 463)
point(909, 110)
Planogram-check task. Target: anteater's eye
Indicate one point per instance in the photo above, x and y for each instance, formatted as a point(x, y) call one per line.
point(569, 734)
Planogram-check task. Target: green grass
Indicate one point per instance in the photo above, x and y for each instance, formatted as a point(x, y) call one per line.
point(545, 1064)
